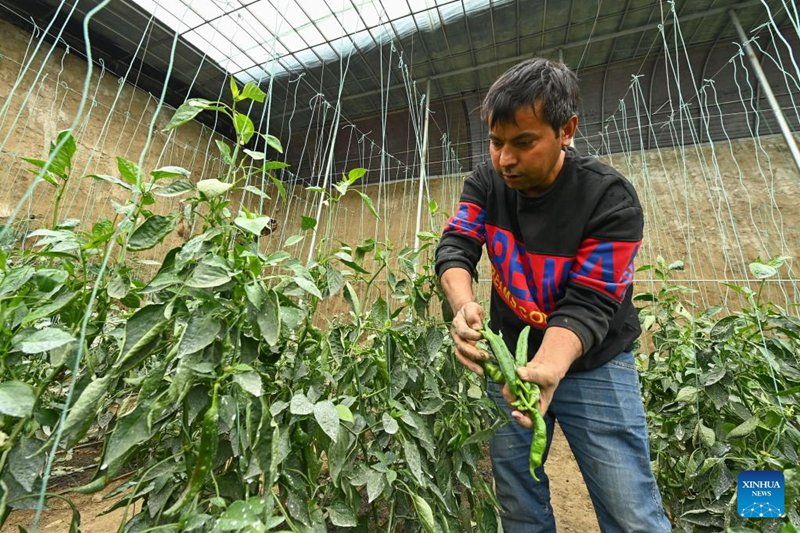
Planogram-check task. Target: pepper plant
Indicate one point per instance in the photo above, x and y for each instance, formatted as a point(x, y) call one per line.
point(721, 393)
point(242, 408)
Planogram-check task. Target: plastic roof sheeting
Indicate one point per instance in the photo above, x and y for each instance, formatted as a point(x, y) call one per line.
point(254, 39)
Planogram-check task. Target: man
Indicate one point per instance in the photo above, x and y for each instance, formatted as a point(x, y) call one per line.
point(561, 232)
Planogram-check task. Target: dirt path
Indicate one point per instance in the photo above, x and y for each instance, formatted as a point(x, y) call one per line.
point(57, 518)
point(571, 504)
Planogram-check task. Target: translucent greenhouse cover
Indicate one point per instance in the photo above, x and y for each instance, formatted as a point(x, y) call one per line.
point(254, 39)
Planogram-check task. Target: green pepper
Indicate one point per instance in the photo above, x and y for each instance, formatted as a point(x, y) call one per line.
point(503, 357)
point(527, 393)
point(209, 437)
point(493, 372)
point(538, 443)
point(522, 347)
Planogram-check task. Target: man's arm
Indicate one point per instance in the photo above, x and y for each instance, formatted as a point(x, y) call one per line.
point(468, 319)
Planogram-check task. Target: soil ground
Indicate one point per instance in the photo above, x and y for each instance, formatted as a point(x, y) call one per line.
point(571, 504)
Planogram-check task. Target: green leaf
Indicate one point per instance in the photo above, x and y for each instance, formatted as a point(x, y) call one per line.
point(352, 298)
point(274, 165)
point(211, 272)
point(50, 177)
point(686, 394)
point(413, 460)
point(707, 435)
point(269, 319)
point(253, 92)
point(15, 279)
point(308, 223)
point(300, 405)
point(188, 110)
point(24, 464)
point(200, 332)
point(224, 152)
point(273, 142)
point(278, 185)
point(213, 187)
point(308, 286)
point(255, 156)
point(276, 258)
point(390, 425)
point(474, 392)
point(249, 382)
point(16, 399)
point(341, 515)
point(84, 410)
point(345, 414)
point(676, 265)
point(762, 271)
point(356, 174)
point(368, 202)
point(234, 88)
point(328, 418)
point(244, 127)
point(252, 225)
point(255, 190)
point(294, 239)
point(118, 287)
point(144, 326)
point(42, 340)
point(50, 308)
point(280, 449)
point(376, 482)
point(151, 232)
point(132, 429)
point(170, 172)
point(745, 428)
point(424, 512)
point(176, 188)
point(335, 280)
point(129, 171)
point(242, 516)
point(62, 157)
point(110, 179)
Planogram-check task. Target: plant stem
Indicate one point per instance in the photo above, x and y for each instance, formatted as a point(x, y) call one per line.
point(59, 195)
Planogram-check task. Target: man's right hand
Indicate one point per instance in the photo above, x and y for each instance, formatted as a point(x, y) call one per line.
point(465, 330)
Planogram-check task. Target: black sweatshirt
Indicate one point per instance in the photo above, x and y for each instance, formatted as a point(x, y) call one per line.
point(562, 259)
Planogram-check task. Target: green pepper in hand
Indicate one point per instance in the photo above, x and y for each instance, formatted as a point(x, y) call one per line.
point(527, 393)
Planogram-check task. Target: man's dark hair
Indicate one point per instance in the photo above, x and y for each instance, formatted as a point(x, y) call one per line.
point(528, 82)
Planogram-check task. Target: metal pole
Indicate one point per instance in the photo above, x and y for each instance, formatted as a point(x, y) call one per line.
point(423, 165)
point(764, 84)
point(328, 170)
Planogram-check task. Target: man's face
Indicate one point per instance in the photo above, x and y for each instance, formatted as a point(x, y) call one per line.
point(527, 153)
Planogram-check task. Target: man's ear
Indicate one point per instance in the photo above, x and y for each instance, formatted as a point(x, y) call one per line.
point(568, 131)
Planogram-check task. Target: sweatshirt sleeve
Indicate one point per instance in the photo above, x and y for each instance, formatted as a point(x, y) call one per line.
point(465, 233)
point(602, 272)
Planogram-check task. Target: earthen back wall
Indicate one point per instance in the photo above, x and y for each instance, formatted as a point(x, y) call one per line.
point(114, 123)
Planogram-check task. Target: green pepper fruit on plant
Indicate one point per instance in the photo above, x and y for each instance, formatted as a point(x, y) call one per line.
point(502, 369)
point(209, 438)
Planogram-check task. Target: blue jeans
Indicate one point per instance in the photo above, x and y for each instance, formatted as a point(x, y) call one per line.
point(601, 414)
